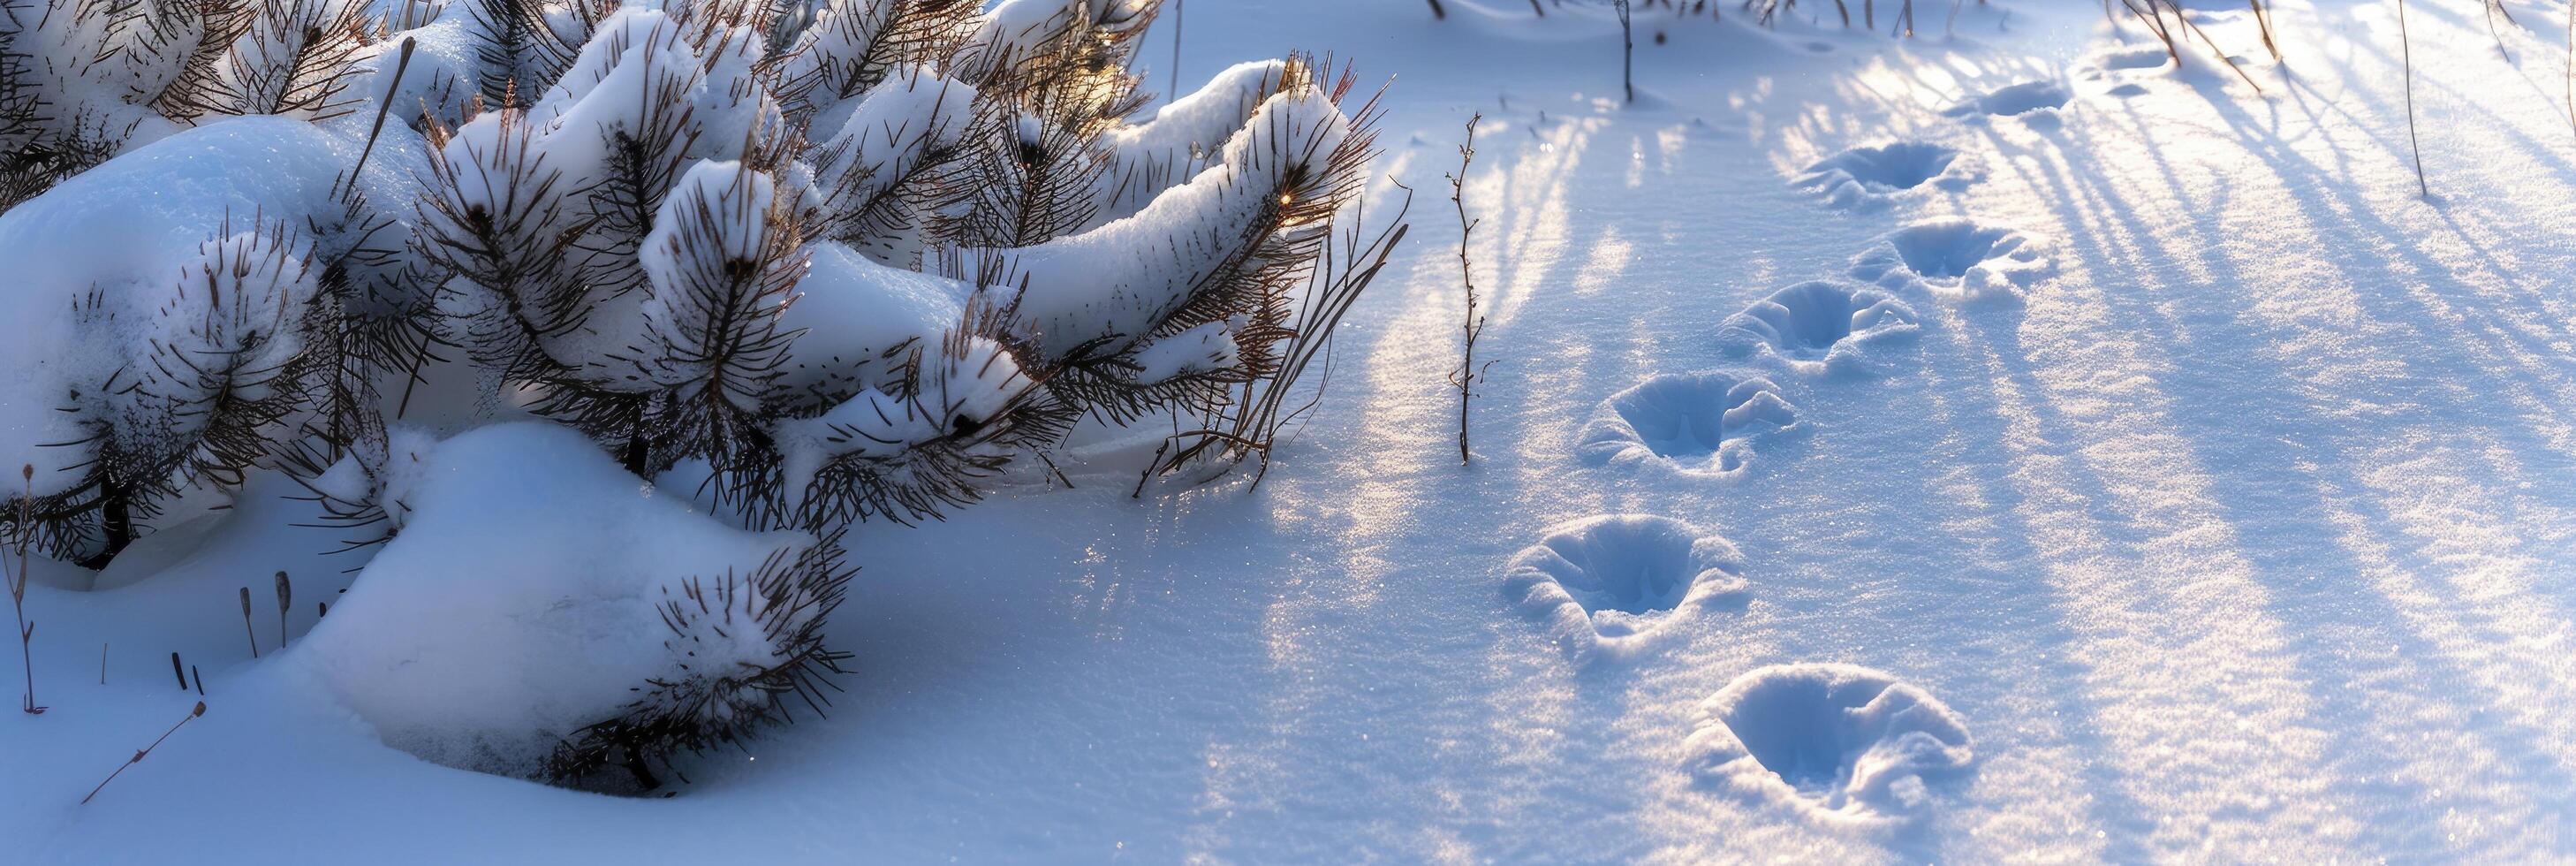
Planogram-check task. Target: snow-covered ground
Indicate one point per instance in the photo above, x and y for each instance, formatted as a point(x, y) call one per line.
point(1994, 445)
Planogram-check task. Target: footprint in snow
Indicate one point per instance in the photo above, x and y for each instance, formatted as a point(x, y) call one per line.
point(2035, 102)
point(1698, 425)
point(1955, 259)
point(1609, 586)
point(1820, 326)
point(1836, 742)
point(2130, 57)
point(1871, 177)
point(2119, 67)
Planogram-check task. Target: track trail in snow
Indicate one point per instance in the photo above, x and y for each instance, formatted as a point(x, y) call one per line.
point(2000, 445)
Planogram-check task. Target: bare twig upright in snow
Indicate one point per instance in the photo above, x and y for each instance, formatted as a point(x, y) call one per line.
point(2263, 22)
point(1627, 53)
point(1468, 373)
point(2151, 13)
point(2406, 51)
point(18, 598)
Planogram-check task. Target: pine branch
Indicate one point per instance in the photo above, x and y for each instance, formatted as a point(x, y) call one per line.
point(715, 694)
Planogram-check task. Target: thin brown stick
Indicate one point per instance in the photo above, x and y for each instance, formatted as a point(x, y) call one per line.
point(2406, 48)
point(18, 590)
point(1473, 325)
point(138, 756)
point(2494, 8)
point(402, 62)
point(2263, 22)
point(2223, 56)
point(1628, 52)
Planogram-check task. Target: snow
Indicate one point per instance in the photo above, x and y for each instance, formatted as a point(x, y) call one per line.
point(964, 384)
point(1842, 742)
point(1955, 258)
point(883, 138)
point(1104, 289)
point(1609, 586)
point(519, 603)
point(1875, 176)
point(734, 205)
point(1182, 136)
point(857, 316)
point(2239, 531)
point(243, 298)
point(1199, 349)
point(1696, 424)
point(138, 232)
point(1822, 325)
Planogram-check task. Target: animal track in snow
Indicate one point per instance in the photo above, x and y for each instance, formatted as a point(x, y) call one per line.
point(2143, 57)
point(2117, 66)
point(1871, 176)
point(1819, 325)
point(2034, 101)
point(1954, 258)
point(1696, 424)
point(1835, 741)
point(1608, 586)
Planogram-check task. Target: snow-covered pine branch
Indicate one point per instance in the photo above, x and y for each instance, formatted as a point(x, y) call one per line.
point(186, 316)
point(849, 267)
point(740, 647)
point(1220, 250)
point(853, 45)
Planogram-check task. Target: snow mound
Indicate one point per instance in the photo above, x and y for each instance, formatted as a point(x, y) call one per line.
point(1607, 586)
point(521, 601)
point(1819, 325)
point(2025, 100)
point(1870, 177)
point(1956, 259)
point(1696, 424)
point(1837, 742)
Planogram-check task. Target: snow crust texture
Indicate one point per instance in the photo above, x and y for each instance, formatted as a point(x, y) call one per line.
point(1608, 587)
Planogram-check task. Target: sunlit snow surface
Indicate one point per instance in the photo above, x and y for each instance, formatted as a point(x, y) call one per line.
point(2241, 530)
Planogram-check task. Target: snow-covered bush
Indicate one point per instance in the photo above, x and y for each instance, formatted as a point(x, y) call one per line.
point(184, 308)
point(854, 257)
point(542, 613)
point(630, 245)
